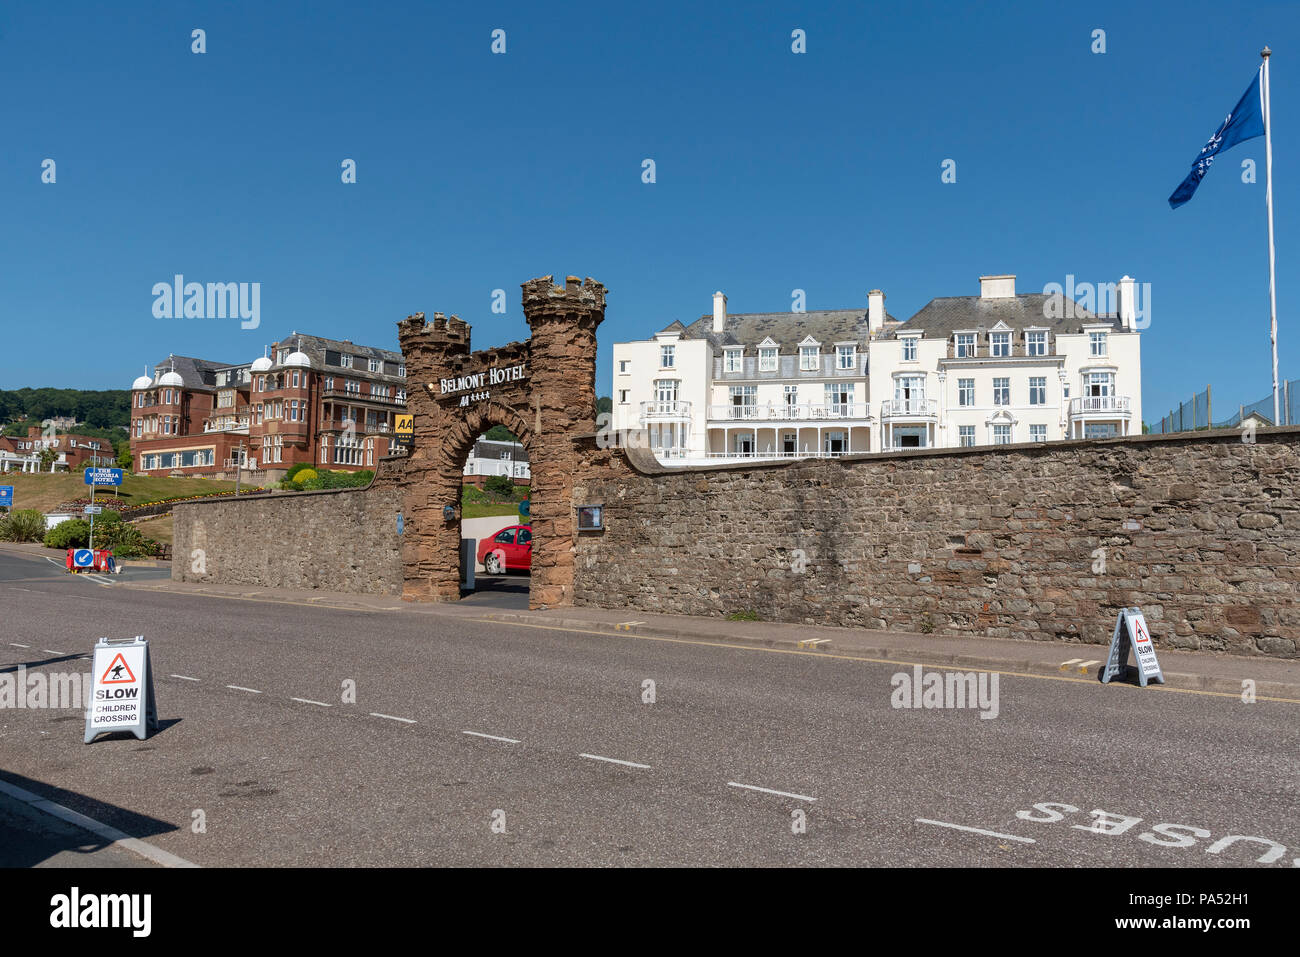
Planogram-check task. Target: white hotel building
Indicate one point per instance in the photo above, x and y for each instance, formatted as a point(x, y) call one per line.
point(991, 369)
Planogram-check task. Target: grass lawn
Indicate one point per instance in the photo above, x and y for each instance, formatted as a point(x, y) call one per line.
point(159, 529)
point(484, 509)
point(47, 491)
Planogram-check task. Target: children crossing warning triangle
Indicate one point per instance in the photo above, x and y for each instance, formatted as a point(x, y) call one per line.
point(119, 672)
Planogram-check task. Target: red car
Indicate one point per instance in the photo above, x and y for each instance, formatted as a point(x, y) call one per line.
point(510, 549)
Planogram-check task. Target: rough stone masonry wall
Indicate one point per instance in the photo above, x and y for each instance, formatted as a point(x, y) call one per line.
point(1200, 530)
point(339, 539)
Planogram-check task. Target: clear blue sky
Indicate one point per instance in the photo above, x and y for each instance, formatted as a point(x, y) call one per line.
point(775, 171)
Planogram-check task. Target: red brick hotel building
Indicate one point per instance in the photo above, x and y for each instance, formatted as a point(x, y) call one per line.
point(326, 402)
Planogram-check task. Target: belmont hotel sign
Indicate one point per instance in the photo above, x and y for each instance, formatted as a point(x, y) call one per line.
point(475, 382)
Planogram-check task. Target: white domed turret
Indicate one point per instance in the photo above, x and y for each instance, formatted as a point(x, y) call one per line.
point(262, 364)
point(141, 382)
point(172, 379)
point(297, 359)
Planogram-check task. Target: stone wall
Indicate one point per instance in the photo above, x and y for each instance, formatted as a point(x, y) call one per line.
point(1044, 541)
point(338, 539)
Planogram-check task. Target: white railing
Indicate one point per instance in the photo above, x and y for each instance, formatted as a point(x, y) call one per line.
point(1094, 404)
point(788, 413)
point(809, 454)
point(897, 407)
point(227, 425)
point(665, 409)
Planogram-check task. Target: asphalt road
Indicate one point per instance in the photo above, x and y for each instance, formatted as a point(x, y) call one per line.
point(472, 742)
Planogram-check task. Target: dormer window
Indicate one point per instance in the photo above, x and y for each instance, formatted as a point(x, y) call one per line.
point(732, 360)
point(281, 355)
point(1096, 344)
point(1036, 343)
point(667, 356)
point(965, 345)
point(809, 358)
point(909, 349)
point(999, 343)
point(345, 361)
point(846, 357)
point(373, 365)
point(767, 358)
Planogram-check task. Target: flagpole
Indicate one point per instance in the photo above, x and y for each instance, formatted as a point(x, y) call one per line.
point(1268, 198)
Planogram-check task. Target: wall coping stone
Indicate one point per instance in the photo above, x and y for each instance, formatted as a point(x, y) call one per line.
point(644, 461)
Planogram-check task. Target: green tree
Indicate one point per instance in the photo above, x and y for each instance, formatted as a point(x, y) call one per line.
point(47, 458)
point(499, 433)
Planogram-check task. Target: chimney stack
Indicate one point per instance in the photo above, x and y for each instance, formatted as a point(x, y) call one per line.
point(997, 287)
point(719, 313)
point(875, 310)
point(1127, 304)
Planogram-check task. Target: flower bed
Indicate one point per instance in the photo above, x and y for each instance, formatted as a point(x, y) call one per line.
point(76, 504)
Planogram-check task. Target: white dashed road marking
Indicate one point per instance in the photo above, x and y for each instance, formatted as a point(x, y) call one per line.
point(597, 757)
point(309, 701)
point(493, 737)
point(238, 688)
point(978, 830)
point(16, 645)
point(785, 794)
point(390, 717)
point(185, 677)
point(51, 651)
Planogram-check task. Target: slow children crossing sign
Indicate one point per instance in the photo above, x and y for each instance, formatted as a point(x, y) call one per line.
point(122, 696)
point(1131, 630)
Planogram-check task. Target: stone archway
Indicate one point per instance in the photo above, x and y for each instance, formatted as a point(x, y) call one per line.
point(543, 390)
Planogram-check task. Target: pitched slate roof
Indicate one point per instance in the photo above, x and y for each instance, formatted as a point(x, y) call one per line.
point(940, 318)
point(492, 449)
point(195, 373)
point(787, 329)
point(316, 346)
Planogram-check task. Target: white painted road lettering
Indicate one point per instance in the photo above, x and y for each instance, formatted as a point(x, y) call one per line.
point(1161, 835)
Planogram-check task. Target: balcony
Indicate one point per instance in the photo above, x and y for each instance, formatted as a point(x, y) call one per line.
point(909, 408)
point(789, 413)
point(1110, 405)
point(361, 397)
point(236, 424)
point(665, 411)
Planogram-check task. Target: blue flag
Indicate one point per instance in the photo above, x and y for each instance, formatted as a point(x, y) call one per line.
point(1246, 121)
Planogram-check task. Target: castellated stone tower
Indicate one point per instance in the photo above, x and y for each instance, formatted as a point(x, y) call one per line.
point(562, 366)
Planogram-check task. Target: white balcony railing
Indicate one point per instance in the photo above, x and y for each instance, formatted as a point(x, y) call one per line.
point(774, 412)
point(659, 410)
point(894, 408)
point(227, 424)
point(810, 454)
point(1100, 405)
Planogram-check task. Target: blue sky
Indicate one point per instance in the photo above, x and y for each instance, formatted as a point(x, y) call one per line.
point(775, 171)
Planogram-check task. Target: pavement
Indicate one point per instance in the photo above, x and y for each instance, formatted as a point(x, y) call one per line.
point(308, 729)
point(504, 598)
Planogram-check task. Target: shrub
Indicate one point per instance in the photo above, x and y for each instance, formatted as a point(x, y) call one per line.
point(499, 485)
point(24, 525)
point(73, 533)
point(303, 476)
point(294, 469)
point(124, 539)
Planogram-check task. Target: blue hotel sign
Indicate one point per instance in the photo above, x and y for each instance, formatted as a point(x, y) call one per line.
point(99, 477)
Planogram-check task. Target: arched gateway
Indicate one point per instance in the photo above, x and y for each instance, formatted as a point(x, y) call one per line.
point(542, 390)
